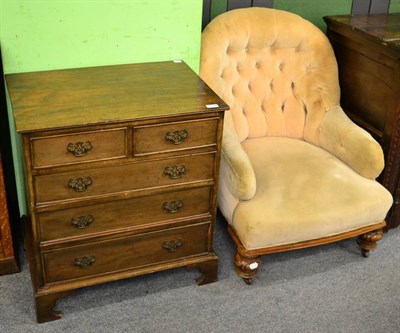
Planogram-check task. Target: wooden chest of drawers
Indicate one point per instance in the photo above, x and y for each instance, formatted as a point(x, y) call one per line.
point(122, 172)
point(367, 50)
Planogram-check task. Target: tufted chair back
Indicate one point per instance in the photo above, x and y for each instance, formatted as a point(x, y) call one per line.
point(274, 69)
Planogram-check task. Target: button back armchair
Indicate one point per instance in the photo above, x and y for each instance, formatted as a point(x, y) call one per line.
point(295, 171)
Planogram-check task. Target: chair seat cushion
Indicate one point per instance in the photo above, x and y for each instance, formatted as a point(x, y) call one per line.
point(304, 193)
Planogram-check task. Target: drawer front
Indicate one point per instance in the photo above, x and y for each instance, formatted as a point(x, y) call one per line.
point(121, 178)
point(75, 222)
point(175, 136)
point(126, 253)
point(79, 147)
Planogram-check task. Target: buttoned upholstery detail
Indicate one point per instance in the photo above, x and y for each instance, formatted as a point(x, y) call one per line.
point(278, 81)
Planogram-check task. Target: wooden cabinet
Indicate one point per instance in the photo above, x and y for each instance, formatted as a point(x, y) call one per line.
point(122, 173)
point(367, 50)
point(8, 263)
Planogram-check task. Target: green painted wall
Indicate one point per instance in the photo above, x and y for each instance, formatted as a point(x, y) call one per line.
point(312, 10)
point(394, 6)
point(53, 34)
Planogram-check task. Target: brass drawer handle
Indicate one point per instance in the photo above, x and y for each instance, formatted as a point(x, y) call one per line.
point(175, 172)
point(82, 222)
point(79, 149)
point(173, 245)
point(85, 261)
point(172, 206)
point(80, 184)
point(176, 137)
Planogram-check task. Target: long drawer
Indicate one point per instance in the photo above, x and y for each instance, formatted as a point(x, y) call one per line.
point(126, 253)
point(90, 219)
point(125, 177)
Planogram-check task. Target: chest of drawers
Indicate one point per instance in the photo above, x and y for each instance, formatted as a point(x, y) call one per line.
point(122, 172)
point(367, 50)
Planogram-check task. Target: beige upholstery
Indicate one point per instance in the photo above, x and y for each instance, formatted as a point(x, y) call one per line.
point(294, 167)
point(306, 193)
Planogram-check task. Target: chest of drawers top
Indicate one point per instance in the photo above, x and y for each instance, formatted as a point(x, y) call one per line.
point(69, 98)
point(381, 29)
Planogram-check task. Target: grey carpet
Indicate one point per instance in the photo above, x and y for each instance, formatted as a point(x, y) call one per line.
point(329, 288)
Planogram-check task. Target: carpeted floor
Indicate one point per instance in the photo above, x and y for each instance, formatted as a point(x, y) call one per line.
point(325, 289)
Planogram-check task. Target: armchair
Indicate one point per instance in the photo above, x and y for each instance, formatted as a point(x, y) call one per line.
point(295, 170)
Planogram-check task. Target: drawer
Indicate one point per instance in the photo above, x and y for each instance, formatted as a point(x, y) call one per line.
point(126, 253)
point(125, 177)
point(78, 147)
point(79, 221)
point(175, 136)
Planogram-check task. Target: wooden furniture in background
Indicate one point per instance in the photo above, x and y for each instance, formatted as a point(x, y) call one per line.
point(122, 174)
point(9, 210)
point(8, 263)
point(367, 50)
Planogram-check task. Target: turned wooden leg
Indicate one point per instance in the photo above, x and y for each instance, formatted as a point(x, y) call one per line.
point(247, 267)
point(45, 306)
point(368, 241)
point(209, 271)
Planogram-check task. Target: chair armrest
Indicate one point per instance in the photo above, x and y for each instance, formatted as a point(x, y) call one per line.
point(350, 143)
point(236, 168)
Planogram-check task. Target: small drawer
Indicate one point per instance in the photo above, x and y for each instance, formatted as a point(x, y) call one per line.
point(175, 136)
point(79, 147)
point(125, 177)
point(90, 219)
point(126, 253)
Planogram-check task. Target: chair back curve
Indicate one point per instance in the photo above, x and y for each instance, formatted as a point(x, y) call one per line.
point(276, 71)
